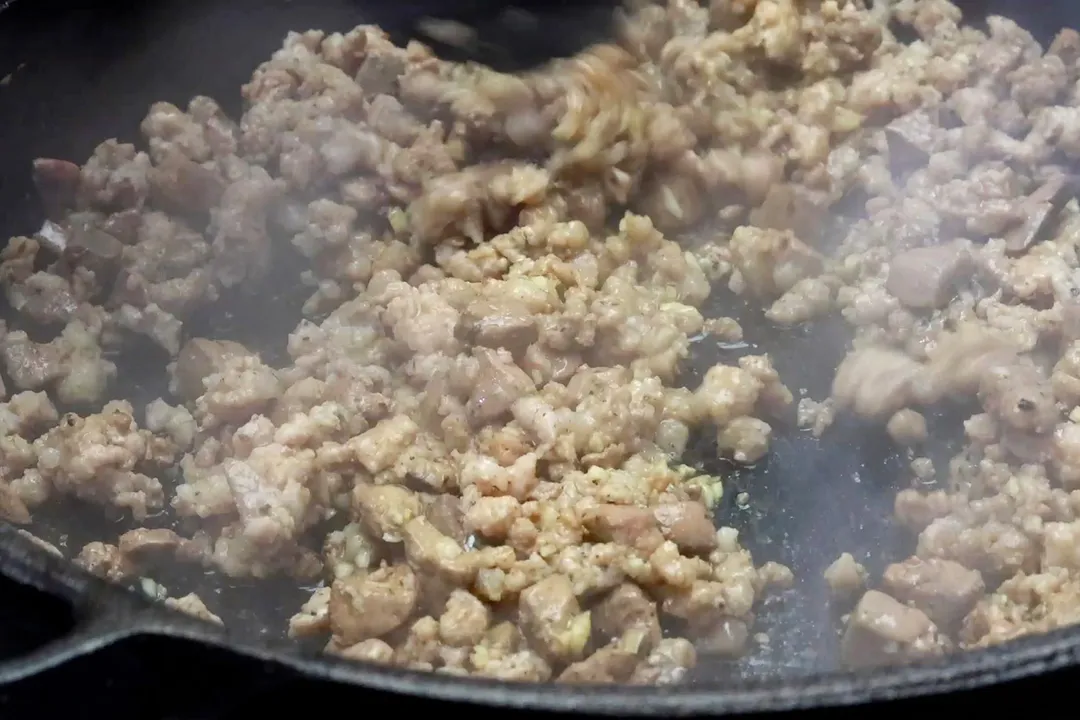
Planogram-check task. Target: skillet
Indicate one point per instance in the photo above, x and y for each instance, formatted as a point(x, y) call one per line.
point(80, 74)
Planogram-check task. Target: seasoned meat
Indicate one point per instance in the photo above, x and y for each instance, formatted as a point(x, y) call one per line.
point(474, 449)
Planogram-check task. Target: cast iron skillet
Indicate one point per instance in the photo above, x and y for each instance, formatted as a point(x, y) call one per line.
point(80, 75)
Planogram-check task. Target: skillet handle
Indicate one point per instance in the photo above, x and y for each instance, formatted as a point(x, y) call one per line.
point(57, 594)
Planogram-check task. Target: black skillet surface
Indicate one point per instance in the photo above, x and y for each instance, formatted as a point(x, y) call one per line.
point(81, 74)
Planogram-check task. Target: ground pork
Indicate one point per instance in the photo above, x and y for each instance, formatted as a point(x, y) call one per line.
point(472, 446)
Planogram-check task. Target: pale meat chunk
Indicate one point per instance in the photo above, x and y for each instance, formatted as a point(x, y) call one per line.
point(27, 414)
point(907, 427)
point(270, 491)
point(192, 604)
point(314, 616)
point(846, 578)
point(98, 458)
point(197, 360)
point(373, 651)
point(667, 664)
point(745, 439)
point(465, 620)
point(875, 382)
point(379, 447)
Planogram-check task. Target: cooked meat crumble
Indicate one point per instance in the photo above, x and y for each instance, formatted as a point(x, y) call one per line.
point(473, 449)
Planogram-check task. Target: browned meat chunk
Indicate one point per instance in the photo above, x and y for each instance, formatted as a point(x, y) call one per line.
point(627, 525)
point(143, 545)
point(501, 325)
point(549, 613)
point(688, 525)
point(627, 608)
point(369, 606)
point(433, 554)
point(882, 631)
point(925, 278)
point(945, 590)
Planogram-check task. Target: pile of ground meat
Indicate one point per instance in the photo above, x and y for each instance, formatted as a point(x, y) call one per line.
point(473, 449)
